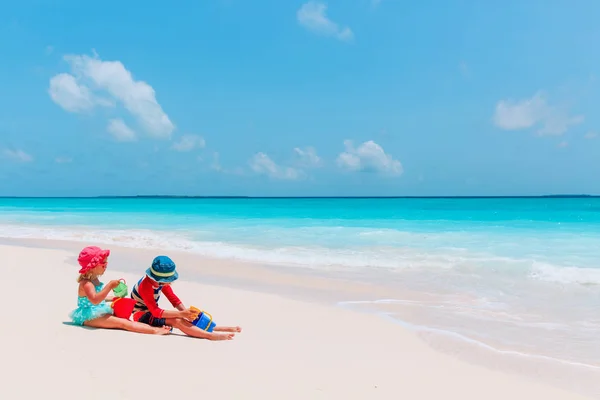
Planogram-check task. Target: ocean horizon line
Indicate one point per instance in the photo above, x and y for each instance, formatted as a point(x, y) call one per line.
point(562, 196)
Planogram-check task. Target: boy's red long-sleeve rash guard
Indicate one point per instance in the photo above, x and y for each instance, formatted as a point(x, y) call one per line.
point(147, 296)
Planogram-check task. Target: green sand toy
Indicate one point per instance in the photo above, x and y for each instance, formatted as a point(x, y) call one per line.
point(121, 290)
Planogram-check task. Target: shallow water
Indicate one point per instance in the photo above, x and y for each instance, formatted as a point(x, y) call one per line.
point(515, 274)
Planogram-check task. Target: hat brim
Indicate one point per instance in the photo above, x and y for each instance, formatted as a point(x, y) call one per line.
point(101, 256)
point(162, 279)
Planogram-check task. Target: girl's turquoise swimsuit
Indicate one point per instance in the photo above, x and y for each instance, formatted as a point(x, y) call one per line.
point(86, 311)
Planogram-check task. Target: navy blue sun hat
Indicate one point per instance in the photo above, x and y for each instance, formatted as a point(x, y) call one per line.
point(162, 270)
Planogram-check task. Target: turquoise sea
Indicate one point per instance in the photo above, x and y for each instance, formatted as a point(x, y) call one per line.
point(518, 274)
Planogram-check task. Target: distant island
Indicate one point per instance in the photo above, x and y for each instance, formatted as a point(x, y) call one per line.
point(569, 195)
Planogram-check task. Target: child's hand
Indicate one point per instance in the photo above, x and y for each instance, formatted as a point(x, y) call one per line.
point(188, 314)
point(113, 284)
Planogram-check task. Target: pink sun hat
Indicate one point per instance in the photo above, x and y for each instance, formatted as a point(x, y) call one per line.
point(90, 257)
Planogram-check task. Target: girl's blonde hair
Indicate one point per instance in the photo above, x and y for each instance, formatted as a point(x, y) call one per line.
point(88, 276)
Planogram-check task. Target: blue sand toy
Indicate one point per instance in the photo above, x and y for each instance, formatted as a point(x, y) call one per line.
point(204, 321)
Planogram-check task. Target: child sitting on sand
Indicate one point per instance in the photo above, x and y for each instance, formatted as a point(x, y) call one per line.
point(92, 309)
point(147, 292)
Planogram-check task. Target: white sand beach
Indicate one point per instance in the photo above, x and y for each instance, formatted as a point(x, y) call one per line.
point(288, 349)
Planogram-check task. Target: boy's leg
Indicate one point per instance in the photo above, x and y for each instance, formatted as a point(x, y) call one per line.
point(227, 329)
point(192, 330)
point(148, 319)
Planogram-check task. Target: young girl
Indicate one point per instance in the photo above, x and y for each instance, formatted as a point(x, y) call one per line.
point(92, 309)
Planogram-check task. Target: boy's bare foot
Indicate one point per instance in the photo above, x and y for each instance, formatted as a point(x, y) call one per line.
point(222, 336)
point(228, 329)
point(164, 330)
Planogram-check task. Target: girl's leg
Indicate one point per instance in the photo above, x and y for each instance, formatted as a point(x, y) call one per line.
point(227, 329)
point(192, 330)
point(112, 322)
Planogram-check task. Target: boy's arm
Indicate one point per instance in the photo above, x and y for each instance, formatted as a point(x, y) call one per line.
point(177, 314)
point(147, 294)
point(173, 299)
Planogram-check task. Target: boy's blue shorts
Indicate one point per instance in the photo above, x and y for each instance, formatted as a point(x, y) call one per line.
point(149, 319)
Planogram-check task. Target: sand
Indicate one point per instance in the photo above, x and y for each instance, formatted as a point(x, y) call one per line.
point(288, 349)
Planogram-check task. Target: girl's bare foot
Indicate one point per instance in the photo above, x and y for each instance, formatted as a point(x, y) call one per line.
point(164, 330)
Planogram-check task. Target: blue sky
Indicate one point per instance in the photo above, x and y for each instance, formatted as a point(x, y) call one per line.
point(272, 97)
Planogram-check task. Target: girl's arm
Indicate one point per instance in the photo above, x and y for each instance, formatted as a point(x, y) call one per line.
point(97, 298)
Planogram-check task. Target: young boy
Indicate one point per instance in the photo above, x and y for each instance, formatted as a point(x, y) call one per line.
point(147, 291)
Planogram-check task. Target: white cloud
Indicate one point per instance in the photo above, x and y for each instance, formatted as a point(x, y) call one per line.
point(120, 131)
point(17, 155)
point(557, 124)
point(70, 95)
point(307, 157)
point(368, 157)
point(189, 142)
point(262, 164)
point(63, 160)
point(511, 115)
point(591, 135)
point(313, 16)
point(77, 92)
point(563, 144)
point(523, 114)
